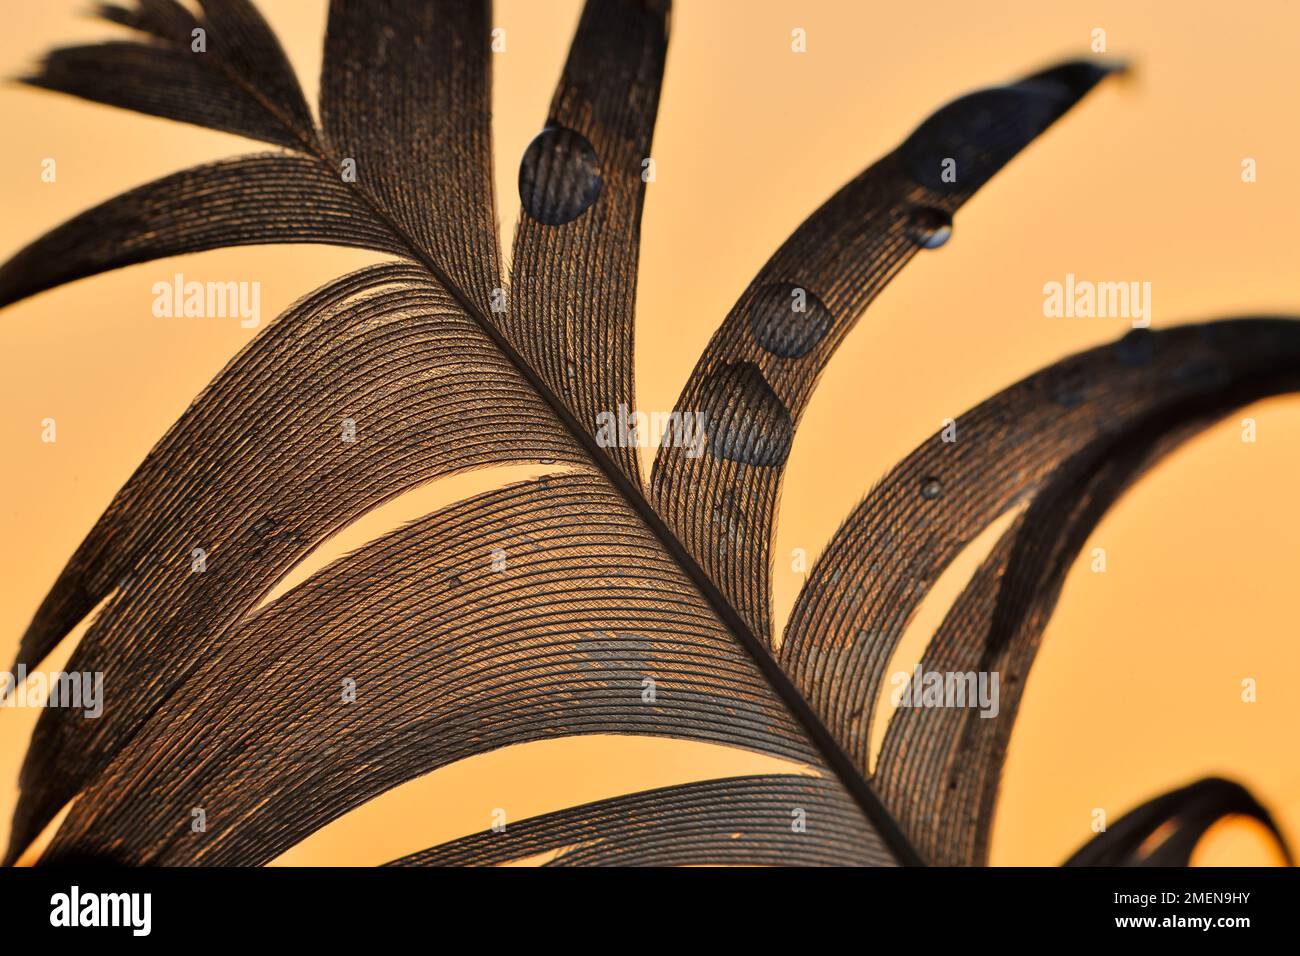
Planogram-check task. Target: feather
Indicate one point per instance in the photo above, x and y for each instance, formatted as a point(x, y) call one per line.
point(450, 657)
point(249, 200)
point(601, 618)
point(754, 379)
point(405, 94)
point(939, 768)
point(167, 20)
point(582, 189)
point(880, 564)
point(240, 81)
point(31, 808)
point(1187, 813)
point(258, 471)
point(773, 820)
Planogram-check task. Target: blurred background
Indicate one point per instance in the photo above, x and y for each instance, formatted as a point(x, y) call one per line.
point(1138, 686)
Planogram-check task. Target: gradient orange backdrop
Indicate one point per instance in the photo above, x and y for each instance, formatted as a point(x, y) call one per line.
point(1137, 688)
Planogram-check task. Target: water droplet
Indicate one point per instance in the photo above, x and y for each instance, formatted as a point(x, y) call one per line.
point(1203, 375)
point(981, 131)
point(744, 418)
point(787, 319)
point(615, 657)
point(928, 227)
point(931, 488)
point(1136, 348)
point(1068, 386)
point(264, 526)
point(559, 176)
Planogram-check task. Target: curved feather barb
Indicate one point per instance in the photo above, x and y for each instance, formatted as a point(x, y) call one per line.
point(245, 201)
point(851, 614)
point(1165, 830)
point(939, 769)
point(583, 601)
point(223, 69)
point(282, 450)
point(757, 374)
point(459, 658)
point(776, 820)
point(422, 159)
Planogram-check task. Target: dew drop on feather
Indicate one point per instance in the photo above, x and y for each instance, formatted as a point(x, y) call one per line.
point(980, 132)
point(1202, 375)
point(1136, 348)
point(559, 176)
point(928, 227)
point(1068, 386)
point(745, 420)
point(787, 319)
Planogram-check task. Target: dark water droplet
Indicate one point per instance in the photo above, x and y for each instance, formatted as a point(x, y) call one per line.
point(615, 657)
point(1136, 348)
point(559, 176)
point(1203, 375)
point(928, 227)
point(931, 488)
point(1068, 386)
point(737, 711)
point(981, 131)
point(1211, 333)
point(744, 418)
point(1235, 339)
point(787, 319)
point(264, 526)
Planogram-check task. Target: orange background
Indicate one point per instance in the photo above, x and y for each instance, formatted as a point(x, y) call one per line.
point(1138, 686)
